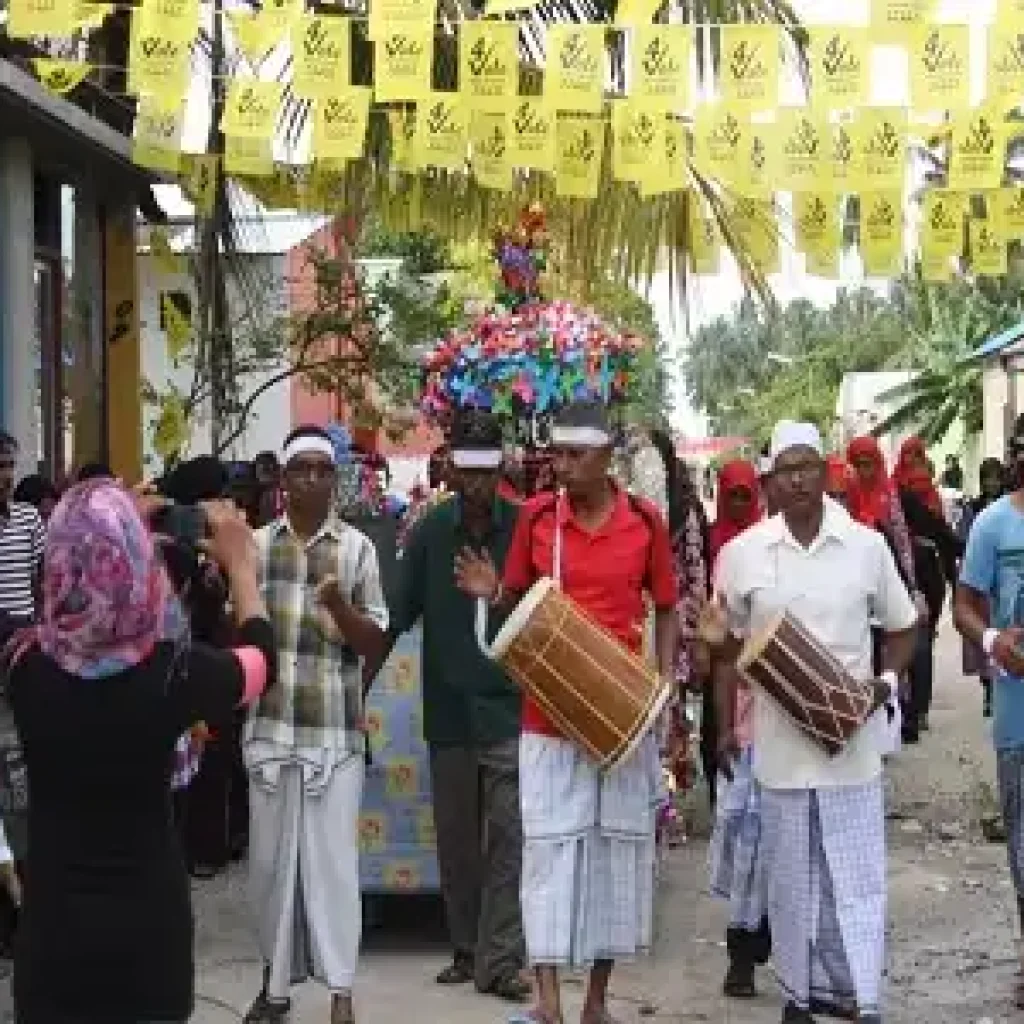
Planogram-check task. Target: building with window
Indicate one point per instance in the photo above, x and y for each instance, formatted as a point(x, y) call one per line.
point(70, 386)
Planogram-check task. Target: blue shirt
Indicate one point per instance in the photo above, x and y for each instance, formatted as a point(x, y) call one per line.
point(994, 566)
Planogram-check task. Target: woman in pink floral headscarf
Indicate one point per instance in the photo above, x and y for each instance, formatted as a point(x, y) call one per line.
point(101, 689)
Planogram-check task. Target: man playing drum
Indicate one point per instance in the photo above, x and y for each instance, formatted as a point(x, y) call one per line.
point(588, 856)
point(823, 817)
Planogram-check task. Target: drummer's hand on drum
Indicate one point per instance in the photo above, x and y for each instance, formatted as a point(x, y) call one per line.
point(713, 622)
point(475, 574)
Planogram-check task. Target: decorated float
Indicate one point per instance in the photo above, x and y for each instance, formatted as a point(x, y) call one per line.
point(522, 358)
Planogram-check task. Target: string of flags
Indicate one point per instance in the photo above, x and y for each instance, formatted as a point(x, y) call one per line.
point(832, 147)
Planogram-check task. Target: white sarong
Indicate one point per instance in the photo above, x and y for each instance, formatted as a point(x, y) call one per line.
point(825, 867)
point(304, 871)
point(734, 858)
point(587, 889)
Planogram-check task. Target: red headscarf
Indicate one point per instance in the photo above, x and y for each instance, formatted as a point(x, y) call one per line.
point(738, 473)
point(837, 474)
point(869, 504)
point(911, 473)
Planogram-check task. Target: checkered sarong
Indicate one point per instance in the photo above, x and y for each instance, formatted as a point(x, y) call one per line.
point(825, 868)
point(734, 859)
point(1010, 776)
point(587, 889)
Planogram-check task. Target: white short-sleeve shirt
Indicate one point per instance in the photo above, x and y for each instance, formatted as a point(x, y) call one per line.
point(836, 587)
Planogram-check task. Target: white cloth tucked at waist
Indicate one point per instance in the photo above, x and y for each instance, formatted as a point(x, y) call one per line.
point(264, 760)
point(563, 792)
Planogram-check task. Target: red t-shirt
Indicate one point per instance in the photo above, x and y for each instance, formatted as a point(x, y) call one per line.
point(604, 572)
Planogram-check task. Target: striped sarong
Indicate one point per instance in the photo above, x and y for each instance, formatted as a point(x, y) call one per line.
point(734, 861)
point(587, 890)
point(825, 868)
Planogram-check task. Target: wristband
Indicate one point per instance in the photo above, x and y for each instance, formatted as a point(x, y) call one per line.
point(499, 593)
point(988, 640)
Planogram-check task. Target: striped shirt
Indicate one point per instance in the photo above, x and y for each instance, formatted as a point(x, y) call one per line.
point(21, 557)
point(317, 703)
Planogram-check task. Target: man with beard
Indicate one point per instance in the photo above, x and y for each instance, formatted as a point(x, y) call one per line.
point(470, 716)
point(989, 612)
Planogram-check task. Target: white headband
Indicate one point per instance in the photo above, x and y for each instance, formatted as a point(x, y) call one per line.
point(580, 437)
point(788, 434)
point(764, 466)
point(476, 458)
point(307, 443)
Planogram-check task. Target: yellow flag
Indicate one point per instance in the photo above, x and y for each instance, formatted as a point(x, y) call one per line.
point(248, 155)
point(892, 21)
point(882, 134)
point(940, 67)
point(575, 68)
point(257, 37)
point(251, 109)
point(402, 129)
point(942, 224)
point(579, 154)
point(89, 15)
point(27, 18)
point(173, 19)
point(321, 62)
point(630, 13)
point(668, 172)
point(988, 248)
point(705, 238)
point(413, 17)
point(661, 67)
point(757, 173)
point(157, 141)
point(442, 131)
point(490, 143)
point(818, 232)
point(881, 233)
point(721, 136)
point(844, 159)
point(1004, 77)
point(402, 66)
point(533, 134)
point(199, 181)
point(749, 70)
point(488, 63)
point(636, 140)
point(176, 327)
point(280, 15)
point(840, 67)
point(757, 233)
point(165, 259)
point(60, 76)
point(1006, 207)
point(1010, 13)
point(170, 430)
point(339, 124)
point(802, 142)
point(157, 64)
point(977, 149)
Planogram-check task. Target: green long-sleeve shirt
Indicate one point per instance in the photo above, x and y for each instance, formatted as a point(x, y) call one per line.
point(467, 699)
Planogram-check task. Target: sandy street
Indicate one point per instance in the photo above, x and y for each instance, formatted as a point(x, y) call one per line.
point(951, 958)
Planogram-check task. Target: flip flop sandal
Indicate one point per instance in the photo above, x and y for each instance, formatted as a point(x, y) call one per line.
point(531, 1017)
point(457, 973)
point(511, 988)
point(604, 1018)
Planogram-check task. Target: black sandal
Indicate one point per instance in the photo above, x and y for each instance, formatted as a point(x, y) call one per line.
point(458, 972)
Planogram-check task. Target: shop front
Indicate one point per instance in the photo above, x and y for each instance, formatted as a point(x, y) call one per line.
point(70, 382)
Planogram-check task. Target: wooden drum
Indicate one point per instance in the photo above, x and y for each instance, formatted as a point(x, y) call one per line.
point(594, 690)
point(810, 685)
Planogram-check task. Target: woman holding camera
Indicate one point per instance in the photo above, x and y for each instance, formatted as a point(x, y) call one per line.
point(101, 689)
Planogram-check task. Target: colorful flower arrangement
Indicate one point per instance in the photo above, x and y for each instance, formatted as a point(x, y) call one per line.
point(525, 355)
